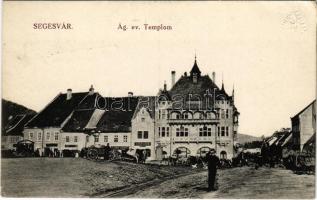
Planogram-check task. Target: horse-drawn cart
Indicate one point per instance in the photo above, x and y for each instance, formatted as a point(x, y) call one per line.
point(98, 153)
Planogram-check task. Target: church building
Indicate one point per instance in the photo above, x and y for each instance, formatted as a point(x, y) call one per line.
point(194, 116)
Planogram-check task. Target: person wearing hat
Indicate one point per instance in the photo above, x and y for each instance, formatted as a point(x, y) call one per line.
point(213, 162)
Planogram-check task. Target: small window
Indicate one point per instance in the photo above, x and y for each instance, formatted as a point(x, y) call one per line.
point(218, 131)
point(209, 131)
point(181, 132)
point(205, 131)
point(167, 131)
point(139, 134)
point(75, 138)
point(48, 136)
point(227, 131)
point(163, 131)
point(177, 132)
point(56, 136)
point(146, 135)
point(227, 113)
point(39, 136)
point(186, 132)
point(116, 138)
point(67, 138)
point(96, 138)
point(125, 138)
point(159, 131)
point(178, 116)
point(222, 131)
point(105, 138)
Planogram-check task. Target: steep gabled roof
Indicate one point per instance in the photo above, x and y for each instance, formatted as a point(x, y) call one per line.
point(118, 115)
point(90, 101)
point(56, 112)
point(149, 102)
point(313, 102)
point(78, 120)
point(16, 125)
point(185, 86)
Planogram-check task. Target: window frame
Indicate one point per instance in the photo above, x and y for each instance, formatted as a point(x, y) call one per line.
point(146, 133)
point(56, 135)
point(125, 138)
point(116, 139)
point(67, 138)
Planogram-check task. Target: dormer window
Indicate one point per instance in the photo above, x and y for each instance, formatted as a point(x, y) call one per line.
point(194, 78)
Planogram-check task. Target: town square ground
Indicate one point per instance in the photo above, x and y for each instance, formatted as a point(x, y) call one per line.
point(75, 177)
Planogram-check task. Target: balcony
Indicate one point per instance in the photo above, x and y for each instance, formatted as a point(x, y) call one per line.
point(206, 139)
point(192, 121)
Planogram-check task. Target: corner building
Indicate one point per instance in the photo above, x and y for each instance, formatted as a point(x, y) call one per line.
point(194, 116)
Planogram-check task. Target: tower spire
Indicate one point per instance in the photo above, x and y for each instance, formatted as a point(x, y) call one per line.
point(195, 71)
point(222, 85)
point(232, 93)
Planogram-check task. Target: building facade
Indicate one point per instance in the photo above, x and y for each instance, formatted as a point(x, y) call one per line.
point(189, 119)
point(304, 126)
point(192, 117)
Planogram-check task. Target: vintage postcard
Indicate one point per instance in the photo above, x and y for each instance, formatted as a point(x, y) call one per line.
point(164, 99)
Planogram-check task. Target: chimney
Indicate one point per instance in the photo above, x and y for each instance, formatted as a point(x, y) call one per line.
point(130, 94)
point(214, 77)
point(173, 78)
point(91, 90)
point(69, 94)
point(165, 87)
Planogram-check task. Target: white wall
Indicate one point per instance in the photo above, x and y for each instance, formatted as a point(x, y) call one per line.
point(143, 122)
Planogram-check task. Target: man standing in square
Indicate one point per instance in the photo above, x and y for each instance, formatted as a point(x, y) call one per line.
point(213, 162)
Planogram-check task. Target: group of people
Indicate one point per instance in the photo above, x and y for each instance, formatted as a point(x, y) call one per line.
point(211, 158)
point(139, 156)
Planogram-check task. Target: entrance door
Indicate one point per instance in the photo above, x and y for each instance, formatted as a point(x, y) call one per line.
point(159, 153)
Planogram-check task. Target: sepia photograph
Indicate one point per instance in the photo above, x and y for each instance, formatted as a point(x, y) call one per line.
point(158, 100)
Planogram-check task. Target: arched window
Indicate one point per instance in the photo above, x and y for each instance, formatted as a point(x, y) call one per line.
point(181, 152)
point(203, 151)
point(176, 115)
point(223, 155)
point(211, 115)
point(187, 115)
point(198, 115)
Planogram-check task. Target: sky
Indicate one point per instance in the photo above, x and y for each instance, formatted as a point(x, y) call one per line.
point(267, 50)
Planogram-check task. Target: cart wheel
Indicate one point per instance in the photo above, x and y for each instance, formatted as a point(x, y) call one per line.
point(111, 156)
point(92, 154)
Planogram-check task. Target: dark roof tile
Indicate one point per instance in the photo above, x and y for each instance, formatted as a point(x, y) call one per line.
point(55, 113)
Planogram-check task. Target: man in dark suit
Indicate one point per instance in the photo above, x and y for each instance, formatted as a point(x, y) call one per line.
point(107, 152)
point(213, 162)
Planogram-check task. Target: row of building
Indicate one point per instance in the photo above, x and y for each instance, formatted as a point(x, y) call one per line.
point(301, 137)
point(191, 117)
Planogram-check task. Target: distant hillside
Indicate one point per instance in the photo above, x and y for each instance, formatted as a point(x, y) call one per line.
point(244, 138)
point(11, 109)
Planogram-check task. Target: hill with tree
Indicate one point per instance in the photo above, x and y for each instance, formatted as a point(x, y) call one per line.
point(11, 109)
